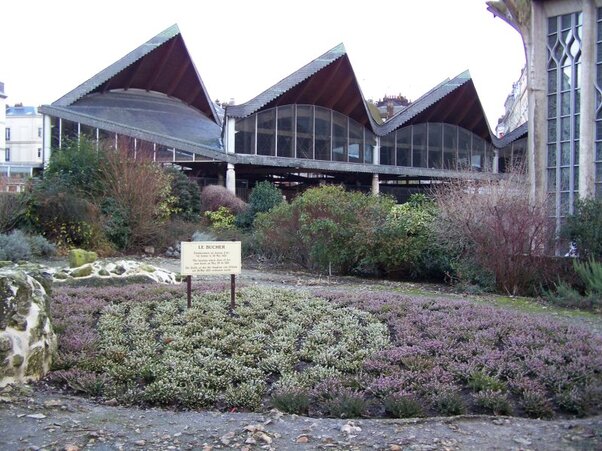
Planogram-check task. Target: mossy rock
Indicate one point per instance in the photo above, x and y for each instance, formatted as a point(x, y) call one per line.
point(61, 275)
point(104, 273)
point(97, 282)
point(147, 268)
point(17, 360)
point(5, 263)
point(79, 257)
point(119, 270)
point(82, 271)
point(35, 362)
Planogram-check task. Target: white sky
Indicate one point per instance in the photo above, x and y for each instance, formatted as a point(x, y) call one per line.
point(242, 47)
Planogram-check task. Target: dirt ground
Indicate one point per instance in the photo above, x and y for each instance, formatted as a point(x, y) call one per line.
point(37, 417)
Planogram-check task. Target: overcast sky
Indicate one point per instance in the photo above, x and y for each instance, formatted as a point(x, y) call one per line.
point(242, 47)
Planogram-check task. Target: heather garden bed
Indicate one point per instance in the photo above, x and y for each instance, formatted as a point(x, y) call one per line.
point(333, 353)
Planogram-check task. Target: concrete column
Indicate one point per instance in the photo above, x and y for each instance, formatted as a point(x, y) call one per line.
point(231, 179)
point(46, 139)
point(229, 134)
point(495, 168)
point(375, 185)
point(587, 157)
point(376, 152)
point(538, 102)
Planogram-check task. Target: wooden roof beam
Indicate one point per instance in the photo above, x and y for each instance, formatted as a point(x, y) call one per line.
point(152, 80)
point(192, 97)
point(178, 78)
point(326, 84)
point(132, 73)
point(339, 92)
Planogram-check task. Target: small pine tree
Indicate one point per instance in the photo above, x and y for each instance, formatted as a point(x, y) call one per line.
point(263, 198)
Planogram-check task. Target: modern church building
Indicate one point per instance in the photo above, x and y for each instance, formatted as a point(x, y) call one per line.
point(313, 127)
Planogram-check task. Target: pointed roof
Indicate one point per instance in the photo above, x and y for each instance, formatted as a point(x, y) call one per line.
point(327, 81)
point(162, 64)
point(453, 101)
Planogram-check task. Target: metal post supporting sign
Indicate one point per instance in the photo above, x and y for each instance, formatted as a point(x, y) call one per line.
point(210, 258)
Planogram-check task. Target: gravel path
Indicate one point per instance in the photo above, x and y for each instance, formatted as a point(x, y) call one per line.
point(37, 417)
point(48, 420)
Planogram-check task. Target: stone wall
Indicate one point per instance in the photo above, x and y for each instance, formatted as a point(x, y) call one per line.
point(27, 340)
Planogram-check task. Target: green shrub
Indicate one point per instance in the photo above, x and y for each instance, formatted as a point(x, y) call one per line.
point(264, 197)
point(41, 247)
point(536, 404)
point(404, 244)
point(116, 224)
point(187, 194)
point(348, 404)
point(584, 228)
point(449, 402)
point(63, 216)
point(479, 381)
point(221, 219)
point(76, 165)
point(403, 406)
point(590, 273)
point(14, 246)
point(294, 401)
point(324, 228)
point(493, 401)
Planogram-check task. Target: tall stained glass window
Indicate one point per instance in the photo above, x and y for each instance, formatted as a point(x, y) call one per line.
point(564, 79)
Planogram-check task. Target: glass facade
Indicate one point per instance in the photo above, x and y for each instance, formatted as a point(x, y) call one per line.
point(305, 131)
point(62, 130)
point(563, 79)
point(436, 146)
point(313, 132)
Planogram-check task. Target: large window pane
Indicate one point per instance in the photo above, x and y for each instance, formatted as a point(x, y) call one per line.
point(244, 137)
point(478, 153)
point(464, 148)
point(419, 145)
point(339, 137)
point(387, 149)
point(285, 131)
point(435, 149)
point(369, 145)
point(356, 142)
point(404, 146)
point(305, 132)
point(266, 132)
point(450, 146)
point(323, 134)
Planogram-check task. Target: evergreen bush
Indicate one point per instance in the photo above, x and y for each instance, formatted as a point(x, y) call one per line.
point(584, 228)
point(264, 197)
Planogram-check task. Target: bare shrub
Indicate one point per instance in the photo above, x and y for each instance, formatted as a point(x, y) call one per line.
point(494, 224)
point(215, 196)
point(140, 194)
point(12, 209)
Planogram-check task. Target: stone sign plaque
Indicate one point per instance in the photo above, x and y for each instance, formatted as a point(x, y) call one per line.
point(210, 257)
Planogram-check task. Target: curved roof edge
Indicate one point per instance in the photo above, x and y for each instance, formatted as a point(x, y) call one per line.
point(130, 59)
point(519, 132)
point(287, 83)
point(437, 93)
point(116, 127)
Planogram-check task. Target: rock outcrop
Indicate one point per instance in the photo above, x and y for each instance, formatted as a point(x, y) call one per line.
point(119, 272)
point(27, 340)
